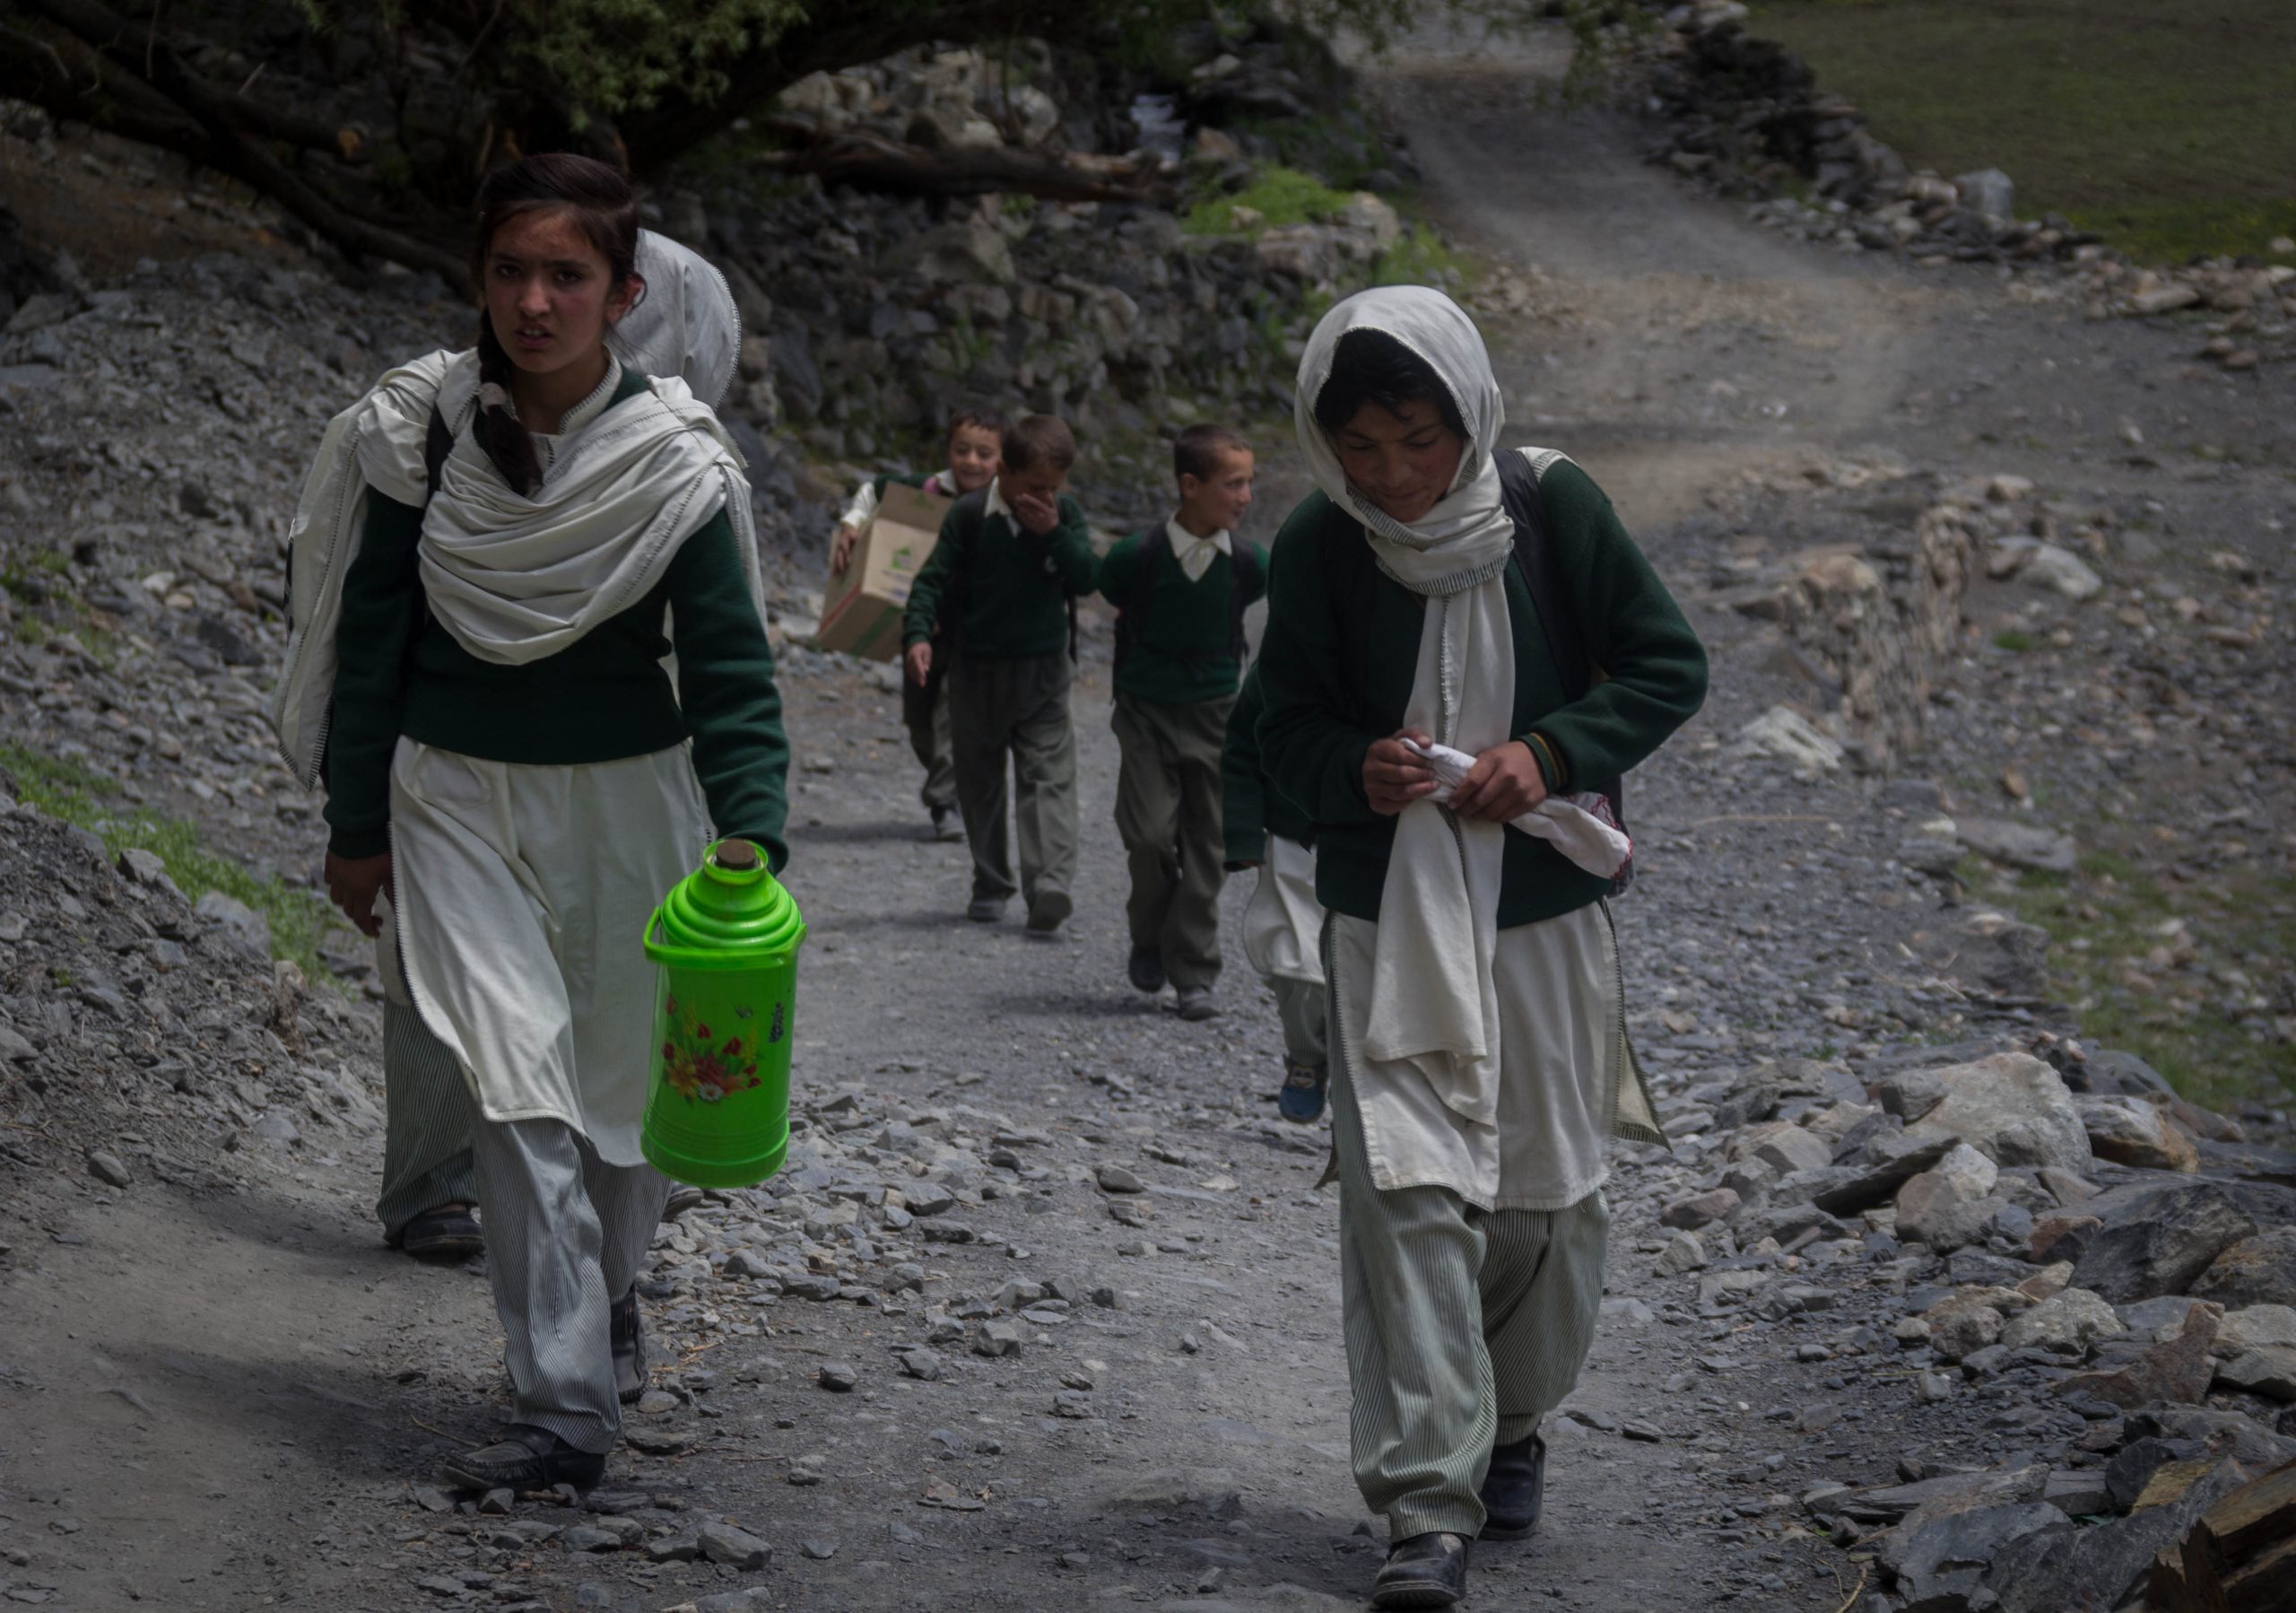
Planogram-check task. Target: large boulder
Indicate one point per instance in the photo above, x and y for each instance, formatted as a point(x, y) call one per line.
point(2068, 1322)
point(2157, 1237)
point(2012, 1109)
point(2260, 1270)
point(2178, 1371)
point(2131, 1131)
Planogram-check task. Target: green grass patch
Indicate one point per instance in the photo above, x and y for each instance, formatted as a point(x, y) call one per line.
point(2172, 993)
point(2015, 639)
point(2164, 126)
point(1418, 258)
point(299, 920)
point(1279, 195)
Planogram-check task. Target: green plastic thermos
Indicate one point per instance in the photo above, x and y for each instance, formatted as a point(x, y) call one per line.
point(726, 942)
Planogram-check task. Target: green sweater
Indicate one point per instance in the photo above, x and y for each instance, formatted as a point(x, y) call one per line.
point(604, 697)
point(1343, 646)
point(1007, 588)
point(1251, 808)
point(1184, 652)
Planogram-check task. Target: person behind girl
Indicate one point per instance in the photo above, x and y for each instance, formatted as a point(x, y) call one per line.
point(976, 444)
point(1480, 1057)
point(1282, 922)
point(1011, 559)
point(510, 764)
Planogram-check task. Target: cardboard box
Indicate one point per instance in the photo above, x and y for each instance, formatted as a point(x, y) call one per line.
point(861, 610)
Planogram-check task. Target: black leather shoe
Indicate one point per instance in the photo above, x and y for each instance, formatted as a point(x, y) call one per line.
point(526, 1459)
point(1424, 1571)
point(1512, 1489)
point(628, 1334)
point(1145, 968)
point(449, 1232)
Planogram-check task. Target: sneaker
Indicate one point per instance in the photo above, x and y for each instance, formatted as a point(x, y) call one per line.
point(1195, 1003)
point(1146, 968)
point(1048, 913)
point(1301, 1096)
point(1513, 1488)
point(448, 1233)
point(986, 910)
point(1422, 1571)
point(948, 824)
point(627, 1329)
point(525, 1459)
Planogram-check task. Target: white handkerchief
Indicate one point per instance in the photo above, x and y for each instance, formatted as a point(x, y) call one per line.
point(1580, 825)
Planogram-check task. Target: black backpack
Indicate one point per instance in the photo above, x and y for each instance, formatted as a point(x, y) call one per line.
point(1535, 562)
point(1133, 612)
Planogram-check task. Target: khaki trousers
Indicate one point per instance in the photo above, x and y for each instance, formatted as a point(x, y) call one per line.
point(925, 713)
point(1464, 1328)
point(1168, 807)
point(1017, 709)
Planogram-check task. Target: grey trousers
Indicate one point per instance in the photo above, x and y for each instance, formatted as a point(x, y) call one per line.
point(427, 1112)
point(1300, 1005)
point(925, 713)
point(565, 1235)
point(1168, 814)
point(1464, 1328)
point(1017, 709)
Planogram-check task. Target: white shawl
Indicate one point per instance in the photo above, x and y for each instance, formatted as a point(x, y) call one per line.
point(1433, 1003)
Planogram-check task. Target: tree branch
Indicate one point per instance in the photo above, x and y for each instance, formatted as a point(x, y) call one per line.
point(872, 162)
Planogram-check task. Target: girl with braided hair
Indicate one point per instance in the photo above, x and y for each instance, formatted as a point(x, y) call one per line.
point(514, 775)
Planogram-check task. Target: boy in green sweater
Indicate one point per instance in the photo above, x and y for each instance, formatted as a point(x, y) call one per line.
point(1180, 588)
point(976, 443)
point(1009, 559)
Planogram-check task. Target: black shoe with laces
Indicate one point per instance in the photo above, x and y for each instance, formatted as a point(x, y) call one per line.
point(1513, 1490)
point(526, 1458)
point(1422, 1571)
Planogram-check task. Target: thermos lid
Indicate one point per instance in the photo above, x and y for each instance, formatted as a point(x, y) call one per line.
point(730, 912)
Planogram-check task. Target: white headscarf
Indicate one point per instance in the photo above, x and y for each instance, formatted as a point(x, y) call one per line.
point(687, 325)
point(512, 579)
point(1432, 1005)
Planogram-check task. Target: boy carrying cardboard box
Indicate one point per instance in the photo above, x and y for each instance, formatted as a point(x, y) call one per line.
point(1180, 588)
point(976, 442)
point(1010, 560)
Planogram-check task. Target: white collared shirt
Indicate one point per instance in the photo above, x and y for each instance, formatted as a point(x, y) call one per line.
point(547, 443)
point(996, 505)
point(1194, 553)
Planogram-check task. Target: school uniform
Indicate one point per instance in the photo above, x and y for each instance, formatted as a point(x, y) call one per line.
point(1179, 600)
point(1479, 1054)
point(1284, 921)
point(924, 708)
point(1002, 593)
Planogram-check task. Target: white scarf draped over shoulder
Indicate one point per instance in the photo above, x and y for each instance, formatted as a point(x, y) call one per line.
point(1432, 1005)
point(513, 578)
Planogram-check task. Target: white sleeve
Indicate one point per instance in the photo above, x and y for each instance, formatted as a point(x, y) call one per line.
point(863, 505)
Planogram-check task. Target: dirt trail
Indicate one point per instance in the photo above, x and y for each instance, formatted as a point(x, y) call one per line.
point(223, 1398)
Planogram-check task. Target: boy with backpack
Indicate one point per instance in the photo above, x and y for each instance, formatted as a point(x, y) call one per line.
point(1180, 588)
point(1002, 582)
point(976, 444)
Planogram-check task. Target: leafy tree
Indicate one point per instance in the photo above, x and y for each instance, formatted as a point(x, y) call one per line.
point(370, 120)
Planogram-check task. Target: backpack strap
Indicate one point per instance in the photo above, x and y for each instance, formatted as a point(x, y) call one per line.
point(1139, 599)
point(437, 442)
point(1534, 560)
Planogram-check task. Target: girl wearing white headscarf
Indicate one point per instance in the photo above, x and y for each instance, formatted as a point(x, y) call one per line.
point(494, 552)
point(1479, 1058)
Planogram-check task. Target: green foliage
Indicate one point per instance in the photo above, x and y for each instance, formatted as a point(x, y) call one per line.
point(1418, 258)
point(299, 920)
point(613, 56)
point(2108, 922)
point(2015, 639)
point(2162, 125)
point(1279, 195)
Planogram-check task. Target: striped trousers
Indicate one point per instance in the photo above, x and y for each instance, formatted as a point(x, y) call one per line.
point(427, 1114)
point(565, 1236)
point(1464, 1328)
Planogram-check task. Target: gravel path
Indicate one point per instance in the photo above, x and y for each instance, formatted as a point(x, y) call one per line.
point(1044, 1313)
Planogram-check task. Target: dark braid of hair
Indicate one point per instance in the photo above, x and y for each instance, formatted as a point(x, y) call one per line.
point(601, 203)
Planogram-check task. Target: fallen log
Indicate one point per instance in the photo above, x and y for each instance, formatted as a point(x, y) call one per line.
point(869, 161)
